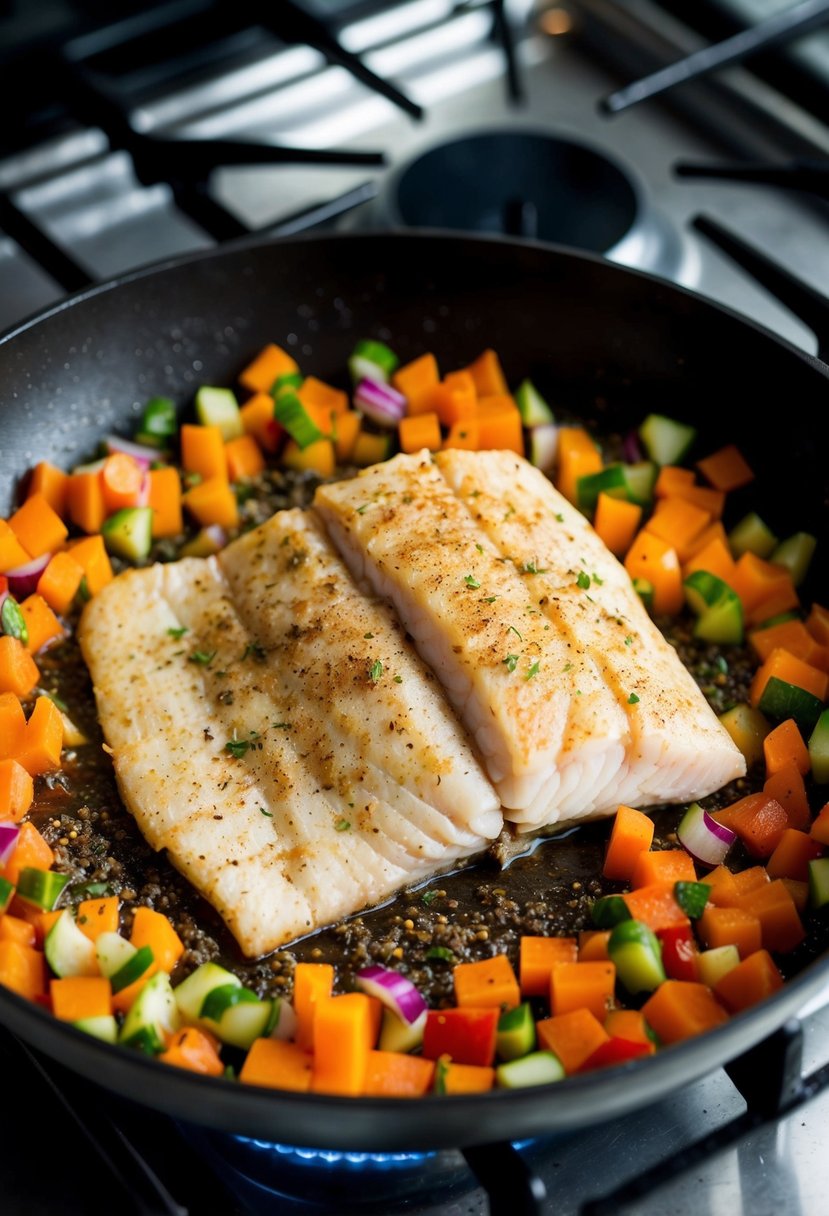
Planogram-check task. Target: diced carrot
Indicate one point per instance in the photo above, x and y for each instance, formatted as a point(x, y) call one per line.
point(259, 421)
point(817, 622)
point(724, 892)
point(319, 457)
point(792, 856)
point(346, 429)
point(758, 819)
point(12, 725)
point(488, 983)
point(31, 850)
point(465, 1078)
point(59, 582)
point(487, 374)
point(629, 1024)
point(38, 527)
point(195, 1050)
point(576, 456)
point(16, 791)
point(593, 945)
point(97, 916)
point(712, 501)
point(153, 929)
point(15, 929)
point(792, 636)
point(750, 879)
point(726, 469)
point(499, 425)
point(329, 400)
point(212, 502)
point(43, 922)
point(752, 980)
point(463, 434)
point(42, 740)
point(22, 969)
point(714, 531)
point(12, 553)
point(756, 581)
point(616, 521)
point(278, 1065)
point(789, 789)
point(41, 622)
point(313, 982)
point(715, 557)
point(655, 906)
point(671, 479)
point(123, 1000)
point(18, 671)
point(784, 745)
point(783, 600)
point(393, 1074)
point(819, 830)
point(780, 922)
point(244, 458)
point(680, 1009)
point(342, 1040)
point(730, 927)
point(678, 522)
point(415, 381)
point(538, 957)
point(92, 557)
point(582, 986)
point(454, 399)
point(651, 558)
point(573, 1037)
point(122, 482)
point(203, 451)
point(419, 431)
point(81, 996)
point(667, 865)
point(50, 481)
point(262, 373)
point(85, 501)
point(165, 500)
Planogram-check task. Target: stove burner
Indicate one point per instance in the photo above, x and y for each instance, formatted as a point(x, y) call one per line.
point(521, 183)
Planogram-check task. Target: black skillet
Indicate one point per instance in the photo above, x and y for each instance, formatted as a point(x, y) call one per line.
point(611, 343)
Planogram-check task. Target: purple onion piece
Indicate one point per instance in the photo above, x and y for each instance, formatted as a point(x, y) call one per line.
point(9, 833)
point(632, 448)
point(379, 402)
point(394, 991)
point(23, 580)
point(141, 455)
point(703, 837)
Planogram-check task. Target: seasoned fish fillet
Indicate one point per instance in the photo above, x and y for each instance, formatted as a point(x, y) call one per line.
point(346, 776)
point(574, 698)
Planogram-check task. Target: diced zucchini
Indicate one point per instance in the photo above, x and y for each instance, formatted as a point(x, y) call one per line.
point(781, 700)
point(515, 1035)
point(636, 951)
point(69, 951)
point(747, 728)
point(103, 1027)
point(608, 911)
point(666, 440)
point(751, 535)
point(292, 414)
point(819, 882)
point(399, 1035)
point(288, 382)
point(219, 407)
point(241, 1024)
point(714, 964)
point(723, 622)
point(129, 533)
point(610, 480)
point(819, 749)
point(226, 996)
point(158, 422)
point(41, 887)
point(12, 620)
point(191, 993)
point(371, 360)
point(152, 1016)
point(795, 553)
point(692, 897)
point(134, 967)
point(113, 951)
point(6, 894)
point(539, 1068)
point(703, 591)
point(640, 479)
point(532, 407)
point(543, 446)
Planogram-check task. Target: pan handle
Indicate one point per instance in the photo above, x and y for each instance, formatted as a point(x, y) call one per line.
point(809, 305)
point(511, 1186)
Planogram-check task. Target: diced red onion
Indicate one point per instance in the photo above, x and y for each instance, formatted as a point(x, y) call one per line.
point(286, 1021)
point(23, 580)
point(9, 833)
point(632, 448)
point(704, 838)
point(394, 991)
point(138, 451)
point(379, 402)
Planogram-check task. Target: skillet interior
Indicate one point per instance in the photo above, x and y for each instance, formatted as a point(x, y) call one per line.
point(606, 342)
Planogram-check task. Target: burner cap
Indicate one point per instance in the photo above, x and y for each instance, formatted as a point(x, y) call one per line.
point(519, 183)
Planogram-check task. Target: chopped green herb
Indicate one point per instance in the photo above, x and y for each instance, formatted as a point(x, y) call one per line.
point(533, 671)
point(255, 650)
point(440, 952)
point(480, 548)
point(237, 747)
point(84, 594)
point(598, 581)
point(282, 726)
point(633, 699)
point(178, 632)
point(342, 825)
point(267, 814)
point(490, 599)
point(512, 629)
point(429, 897)
point(12, 620)
point(583, 580)
point(532, 568)
point(559, 517)
point(510, 662)
point(375, 671)
point(510, 511)
point(202, 657)
point(628, 640)
point(398, 679)
point(568, 666)
point(472, 582)
point(721, 664)
point(363, 508)
point(368, 635)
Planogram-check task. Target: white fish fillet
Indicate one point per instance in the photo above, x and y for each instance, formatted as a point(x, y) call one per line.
point(482, 560)
point(324, 810)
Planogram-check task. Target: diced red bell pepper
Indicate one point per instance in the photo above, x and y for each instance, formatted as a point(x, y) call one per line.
point(467, 1035)
point(680, 955)
point(614, 1051)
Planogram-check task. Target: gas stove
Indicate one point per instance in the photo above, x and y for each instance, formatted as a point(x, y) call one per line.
point(351, 114)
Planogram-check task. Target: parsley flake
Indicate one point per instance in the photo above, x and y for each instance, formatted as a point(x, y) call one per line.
point(628, 640)
point(342, 825)
point(472, 582)
point(721, 664)
point(633, 699)
point(398, 679)
point(178, 632)
point(568, 666)
point(512, 629)
point(363, 508)
point(267, 814)
point(237, 747)
point(441, 952)
point(532, 568)
point(368, 635)
point(375, 671)
point(598, 581)
point(480, 548)
point(559, 517)
point(533, 671)
point(255, 650)
point(490, 599)
point(510, 662)
point(429, 897)
point(203, 657)
point(583, 580)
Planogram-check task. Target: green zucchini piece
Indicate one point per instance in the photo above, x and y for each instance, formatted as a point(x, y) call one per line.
point(819, 749)
point(703, 591)
point(288, 382)
point(640, 479)
point(191, 993)
point(666, 440)
point(515, 1035)
point(134, 967)
point(636, 951)
point(12, 620)
point(299, 424)
point(152, 1016)
point(692, 897)
point(722, 623)
point(372, 360)
point(714, 964)
point(219, 1000)
point(41, 887)
point(610, 480)
point(608, 911)
point(241, 1024)
point(532, 407)
point(819, 882)
point(538, 1068)
point(219, 407)
point(796, 553)
point(6, 894)
point(103, 1027)
point(781, 700)
point(158, 421)
point(112, 952)
point(68, 951)
point(752, 535)
point(129, 533)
